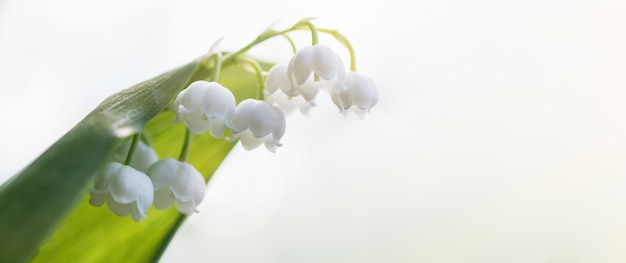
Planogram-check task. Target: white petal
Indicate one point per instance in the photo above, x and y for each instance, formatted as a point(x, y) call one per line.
point(119, 208)
point(259, 119)
point(178, 182)
point(188, 183)
point(287, 104)
point(270, 144)
point(279, 125)
point(129, 184)
point(144, 202)
point(162, 173)
point(193, 96)
point(186, 207)
point(309, 90)
point(178, 107)
point(301, 64)
point(262, 119)
point(196, 121)
point(249, 141)
point(137, 214)
point(243, 112)
point(366, 96)
point(125, 190)
point(163, 198)
point(104, 177)
point(218, 102)
point(361, 92)
point(277, 78)
point(97, 198)
point(337, 100)
point(217, 127)
point(327, 63)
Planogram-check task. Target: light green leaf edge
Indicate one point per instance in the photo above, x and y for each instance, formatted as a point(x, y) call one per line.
point(34, 202)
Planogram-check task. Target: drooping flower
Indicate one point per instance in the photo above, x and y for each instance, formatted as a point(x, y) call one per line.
point(205, 105)
point(359, 97)
point(277, 78)
point(124, 189)
point(144, 155)
point(313, 68)
point(177, 183)
point(257, 122)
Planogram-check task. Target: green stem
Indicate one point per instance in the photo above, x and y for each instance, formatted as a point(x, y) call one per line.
point(184, 152)
point(218, 67)
point(259, 75)
point(229, 58)
point(343, 40)
point(314, 36)
point(302, 25)
point(291, 43)
point(133, 147)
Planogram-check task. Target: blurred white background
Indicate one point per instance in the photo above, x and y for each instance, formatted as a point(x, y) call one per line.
point(499, 135)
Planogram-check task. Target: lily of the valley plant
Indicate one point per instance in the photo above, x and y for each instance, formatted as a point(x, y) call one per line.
point(158, 143)
point(206, 105)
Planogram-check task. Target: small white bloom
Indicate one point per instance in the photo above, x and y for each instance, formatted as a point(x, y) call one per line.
point(124, 190)
point(259, 122)
point(312, 68)
point(144, 155)
point(361, 92)
point(205, 105)
point(177, 183)
point(277, 79)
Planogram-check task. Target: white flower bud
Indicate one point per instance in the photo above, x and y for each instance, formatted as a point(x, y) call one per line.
point(277, 79)
point(205, 106)
point(177, 183)
point(144, 155)
point(361, 92)
point(124, 190)
point(313, 68)
point(264, 122)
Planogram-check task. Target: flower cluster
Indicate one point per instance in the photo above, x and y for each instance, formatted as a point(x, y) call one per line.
point(210, 106)
point(315, 68)
point(132, 188)
point(136, 179)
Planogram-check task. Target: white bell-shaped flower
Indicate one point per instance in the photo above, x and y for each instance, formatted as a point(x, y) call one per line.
point(313, 68)
point(144, 155)
point(177, 183)
point(205, 106)
point(124, 189)
point(359, 97)
point(257, 122)
point(277, 79)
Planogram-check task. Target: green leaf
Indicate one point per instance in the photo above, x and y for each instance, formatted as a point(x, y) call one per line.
point(45, 216)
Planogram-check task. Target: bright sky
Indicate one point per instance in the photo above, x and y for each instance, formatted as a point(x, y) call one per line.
point(499, 135)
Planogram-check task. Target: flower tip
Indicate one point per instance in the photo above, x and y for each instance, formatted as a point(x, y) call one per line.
point(307, 19)
point(216, 47)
